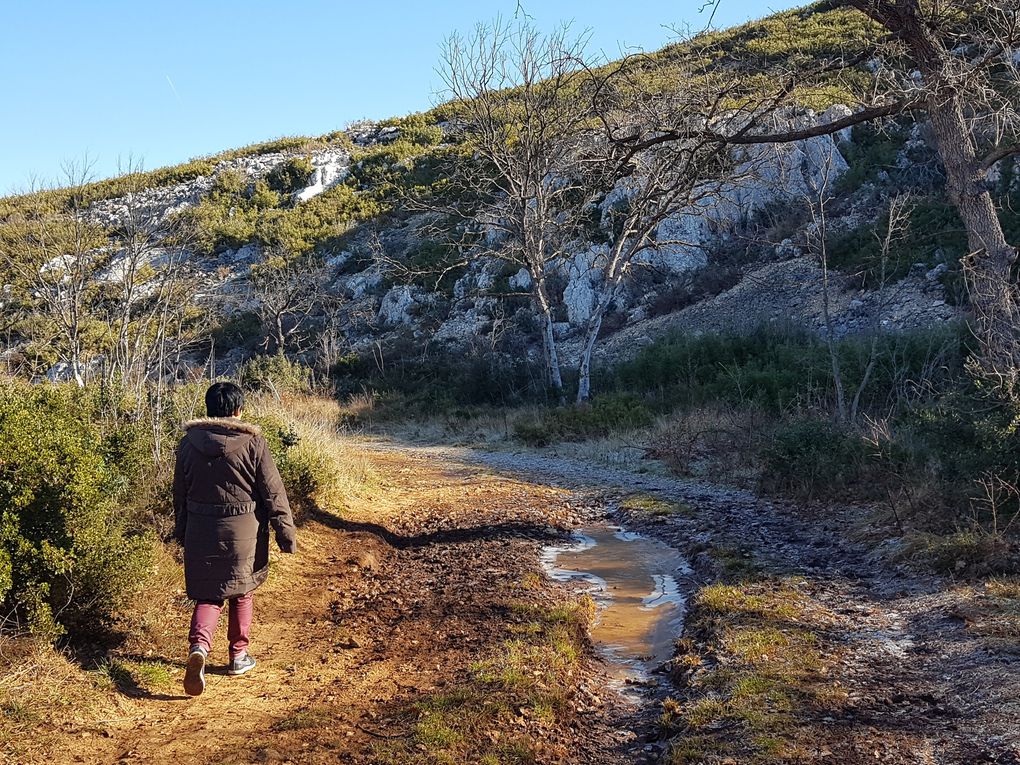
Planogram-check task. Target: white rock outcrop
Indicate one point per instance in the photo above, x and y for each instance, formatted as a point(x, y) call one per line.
point(162, 202)
point(466, 323)
point(358, 285)
point(583, 276)
point(480, 277)
point(521, 281)
point(331, 168)
point(400, 305)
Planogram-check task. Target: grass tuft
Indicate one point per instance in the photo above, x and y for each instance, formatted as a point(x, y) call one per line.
point(646, 503)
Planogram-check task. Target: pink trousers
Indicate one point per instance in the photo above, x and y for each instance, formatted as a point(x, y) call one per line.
point(207, 616)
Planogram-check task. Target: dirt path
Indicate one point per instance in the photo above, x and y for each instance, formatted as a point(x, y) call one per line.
point(418, 628)
point(415, 628)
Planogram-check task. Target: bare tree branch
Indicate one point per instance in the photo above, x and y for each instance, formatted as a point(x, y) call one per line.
point(999, 154)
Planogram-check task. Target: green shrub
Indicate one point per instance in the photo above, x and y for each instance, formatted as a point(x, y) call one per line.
point(318, 224)
point(232, 215)
point(870, 151)
point(410, 384)
point(291, 175)
point(229, 181)
point(420, 129)
point(778, 371)
point(67, 560)
point(813, 459)
point(606, 414)
point(436, 265)
point(935, 235)
point(934, 227)
point(239, 330)
point(276, 373)
point(281, 438)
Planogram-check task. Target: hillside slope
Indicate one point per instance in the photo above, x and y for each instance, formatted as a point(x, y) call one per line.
point(388, 280)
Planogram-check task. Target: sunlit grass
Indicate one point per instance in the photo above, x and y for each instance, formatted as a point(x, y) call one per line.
point(757, 675)
point(647, 503)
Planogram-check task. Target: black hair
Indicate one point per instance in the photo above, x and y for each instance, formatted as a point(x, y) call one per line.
point(223, 399)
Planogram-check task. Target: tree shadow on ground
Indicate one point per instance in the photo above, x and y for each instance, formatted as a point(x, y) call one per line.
point(484, 532)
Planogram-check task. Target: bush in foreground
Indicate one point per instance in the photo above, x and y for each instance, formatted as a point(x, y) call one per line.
point(67, 560)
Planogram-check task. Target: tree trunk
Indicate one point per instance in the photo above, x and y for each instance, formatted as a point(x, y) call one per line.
point(830, 340)
point(990, 263)
point(552, 358)
point(591, 336)
point(967, 187)
point(280, 336)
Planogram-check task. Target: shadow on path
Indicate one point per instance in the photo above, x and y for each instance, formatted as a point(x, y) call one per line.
point(490, 531)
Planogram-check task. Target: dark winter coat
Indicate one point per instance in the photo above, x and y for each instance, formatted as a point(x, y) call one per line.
point(227, 494)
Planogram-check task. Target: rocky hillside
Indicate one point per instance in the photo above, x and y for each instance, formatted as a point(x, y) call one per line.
point(752, 256)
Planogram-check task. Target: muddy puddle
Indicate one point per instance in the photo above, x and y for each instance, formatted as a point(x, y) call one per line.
point(633, 579)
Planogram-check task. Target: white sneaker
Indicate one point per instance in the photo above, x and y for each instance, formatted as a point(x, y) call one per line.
point(194, 675)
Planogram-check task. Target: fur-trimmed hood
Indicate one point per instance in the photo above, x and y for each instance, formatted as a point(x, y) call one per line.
point(233, 423)
point(219, 436)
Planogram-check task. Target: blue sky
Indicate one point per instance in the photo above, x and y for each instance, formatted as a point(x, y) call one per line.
point(167, 81)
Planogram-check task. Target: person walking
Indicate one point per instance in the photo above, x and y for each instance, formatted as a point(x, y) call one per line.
point(227, 495)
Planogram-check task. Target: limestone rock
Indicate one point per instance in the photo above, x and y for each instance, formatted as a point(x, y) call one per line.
point(358, 285)
point(400, 305)
point(331, 168)
point(520, 281)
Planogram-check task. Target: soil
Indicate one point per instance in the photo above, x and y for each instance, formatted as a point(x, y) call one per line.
point(396, 599)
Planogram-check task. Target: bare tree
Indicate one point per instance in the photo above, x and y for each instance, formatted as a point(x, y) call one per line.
point(286, 289)
point(955, 61)
point(149, 286)
point(819, 197)
point(818, 236)
point(114, 298)
point(520, 116)
point(643, 182)
point(555, 141)
point(55, 256)
point(896, 228)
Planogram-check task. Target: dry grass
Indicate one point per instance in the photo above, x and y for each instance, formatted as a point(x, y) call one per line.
point(717, 441)
point(992, 611)
point(41, 689)
point(621, 451)
point(480, 428)
point(323, 450)
point(151, 623)
point(969, 552)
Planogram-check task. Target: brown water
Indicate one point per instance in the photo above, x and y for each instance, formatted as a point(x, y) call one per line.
point(634, 581)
